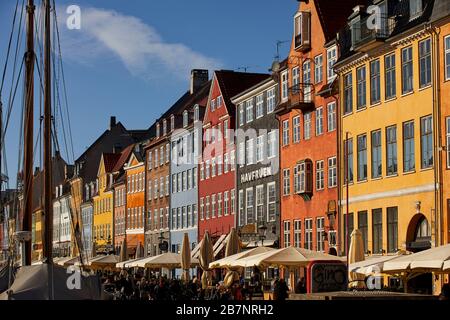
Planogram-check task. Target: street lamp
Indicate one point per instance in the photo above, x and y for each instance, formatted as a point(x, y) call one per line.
point(262, 229)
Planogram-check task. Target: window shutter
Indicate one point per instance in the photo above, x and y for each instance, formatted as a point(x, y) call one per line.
point(306, 29)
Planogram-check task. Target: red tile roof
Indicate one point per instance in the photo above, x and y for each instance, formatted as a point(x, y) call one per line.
point(124, 156)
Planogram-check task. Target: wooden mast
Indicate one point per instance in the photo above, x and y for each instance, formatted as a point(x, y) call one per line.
point(28, 132)
point(48, 245)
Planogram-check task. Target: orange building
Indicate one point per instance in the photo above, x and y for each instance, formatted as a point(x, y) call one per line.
point(135, 197)
point(308, 127)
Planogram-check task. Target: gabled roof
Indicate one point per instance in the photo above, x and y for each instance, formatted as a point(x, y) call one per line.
point(124, 155)
point(110, 160)
point(231, 83)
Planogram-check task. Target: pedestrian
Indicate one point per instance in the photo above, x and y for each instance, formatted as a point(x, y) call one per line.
point(301, 286)
point(281, 290)
point(445, 292)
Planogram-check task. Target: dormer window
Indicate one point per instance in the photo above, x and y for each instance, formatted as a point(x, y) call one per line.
point(415, 8)
point(196, 113)
point(213, 104)
point(172, 123)
point(157, 130)
point(164, 127)
point(185, 119)
point(302, 30)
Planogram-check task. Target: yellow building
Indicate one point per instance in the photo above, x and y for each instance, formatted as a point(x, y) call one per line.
point(103, 203)
point(389, 115)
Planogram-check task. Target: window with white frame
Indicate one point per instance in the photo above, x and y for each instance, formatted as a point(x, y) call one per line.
point(296, 77)
point(307, 125)
point(415, 8)
point(213, 206)
point(286, 182)
point(307, 80)
point(226, 163)
point(249, 205)
point(320, 175)
point(219, 165)
point(331, 116)
point(447, 57)
point(167, 185)
point(213, 104)
point(158, 133)
point(226, 205)
point(249, 110)
point(219, 102)
point(189, 216)
point(150, 161)
point(194, 177)
point(196, 113)
point(331, 60)
point(155, 189)
point(320, 227)
point(271, 201)
point(260, 148)
point(207, 168)
point(319, 121)
point(284, 86)
point(233, 160)
point(202, 209)
point(296, 129)
point(233, 201)
point(285, 132)
point(272, 144)
point(260, 203)
point(241, 114)
point(167, 153)
point(271, 98)
point(161, 187)
point(219, 204)
point(161, 155)
point(287, 233)
point(297, 233)
point(202, 171)
point(308, 234)
point(318, 69)
point(241, 154)
point(226, 129)
point(259, 106)
point(174, 183)
point(241, 208)
point(447, 137)
point(332, 172)
point(172, 122)
point(207, 214)
point(250, 151)
point(213, 167)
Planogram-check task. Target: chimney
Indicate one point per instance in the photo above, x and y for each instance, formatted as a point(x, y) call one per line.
point(112, 122)
point(198, 78)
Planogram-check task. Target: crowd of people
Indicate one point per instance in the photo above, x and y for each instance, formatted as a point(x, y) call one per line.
point(134, 286)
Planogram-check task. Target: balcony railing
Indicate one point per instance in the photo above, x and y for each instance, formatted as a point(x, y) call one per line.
point(301, 96)
point(371, 30)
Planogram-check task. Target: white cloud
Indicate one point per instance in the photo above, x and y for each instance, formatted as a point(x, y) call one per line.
point(138, 45)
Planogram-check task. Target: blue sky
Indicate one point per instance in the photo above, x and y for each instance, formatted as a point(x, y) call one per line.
point(132, 58)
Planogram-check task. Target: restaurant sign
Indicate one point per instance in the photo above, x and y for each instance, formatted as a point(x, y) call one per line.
point(326, 276)
point(256, 174)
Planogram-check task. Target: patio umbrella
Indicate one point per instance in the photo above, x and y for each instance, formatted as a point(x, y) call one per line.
point(205, 258)
point(185, 257)
point(356, 254)
point(139, 251)
point(286, 257)
point(432, 260)
point(234, 260)
point(233, 247)
point(108, 261)
point(373, 264)
point(167, 260)
point(124, 251)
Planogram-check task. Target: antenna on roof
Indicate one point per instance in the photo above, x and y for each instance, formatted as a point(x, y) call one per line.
point(243, 68)
point(279, 43)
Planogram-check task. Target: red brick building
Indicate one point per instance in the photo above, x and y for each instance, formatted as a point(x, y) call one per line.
point(217, 182)
point(308, 127)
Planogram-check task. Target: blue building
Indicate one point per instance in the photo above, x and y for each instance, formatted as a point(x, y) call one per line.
point(185, 146)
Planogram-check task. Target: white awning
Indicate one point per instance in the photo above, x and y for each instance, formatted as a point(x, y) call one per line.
point(254, 244)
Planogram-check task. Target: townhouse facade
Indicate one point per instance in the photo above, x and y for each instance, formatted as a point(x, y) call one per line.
point(308, 138)
point(388, 74)
point(217, 183)
point(257, 176)
point(186, 148)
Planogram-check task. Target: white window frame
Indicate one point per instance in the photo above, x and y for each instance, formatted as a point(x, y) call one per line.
point(285, 132)
point(271, 202)
point(271, 100)
point(286, 182)
point(259, 106)
point(284, 86)
point(332, 172)
point(319, 121)
point(249, 111)
point(320, 175)
point(318, 68)
point(331, 116)
point(249, 204)
point(447, 57)
point(287, 233)
point(260, 148)
point(331, 60)
point(307, 121)
point(296, 125)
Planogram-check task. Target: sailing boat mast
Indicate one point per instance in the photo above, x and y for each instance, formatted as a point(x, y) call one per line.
point(48, 245)
point(28, 132)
